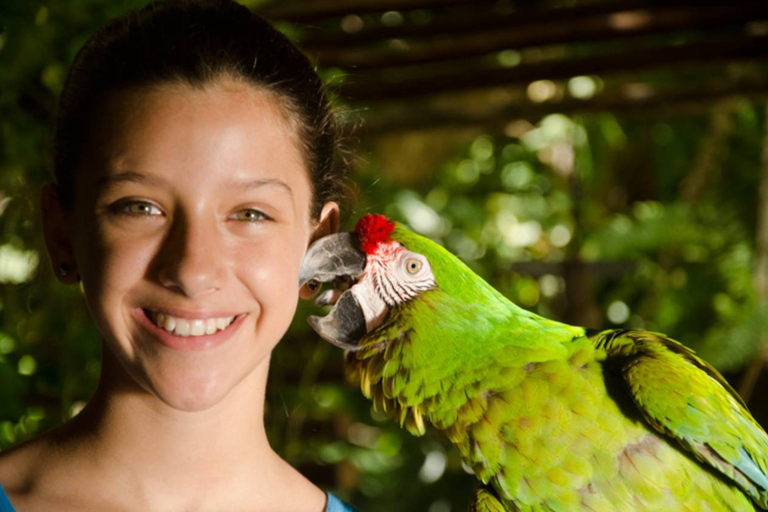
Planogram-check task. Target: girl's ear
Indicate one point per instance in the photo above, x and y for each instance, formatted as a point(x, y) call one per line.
point(327, 225)
point(58, 235)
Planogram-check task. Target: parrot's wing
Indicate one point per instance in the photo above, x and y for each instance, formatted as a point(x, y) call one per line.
point(683, 397)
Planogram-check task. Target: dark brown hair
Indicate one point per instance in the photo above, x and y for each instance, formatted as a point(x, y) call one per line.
point(197, 43)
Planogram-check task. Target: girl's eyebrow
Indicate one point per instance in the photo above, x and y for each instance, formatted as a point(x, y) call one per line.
point(264, 182)
point(129, 176)
point(154, 180)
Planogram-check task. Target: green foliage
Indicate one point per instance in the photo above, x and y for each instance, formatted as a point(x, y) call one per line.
point(596, 189)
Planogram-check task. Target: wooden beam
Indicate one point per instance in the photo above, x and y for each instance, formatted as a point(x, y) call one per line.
point(478, 20)
point(489, 40)
point(685, 97)
point(310, 10)
point(372, 87)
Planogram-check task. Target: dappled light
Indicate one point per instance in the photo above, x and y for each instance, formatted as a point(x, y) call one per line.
point(597, 164)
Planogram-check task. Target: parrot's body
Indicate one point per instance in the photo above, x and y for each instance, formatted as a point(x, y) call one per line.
point(549, 416)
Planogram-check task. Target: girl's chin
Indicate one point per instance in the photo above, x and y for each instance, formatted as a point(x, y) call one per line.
point(189, 387)
point(191, 393)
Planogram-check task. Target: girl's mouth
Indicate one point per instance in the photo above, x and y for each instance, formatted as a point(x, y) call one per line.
point(188, 326)
point(189, 333)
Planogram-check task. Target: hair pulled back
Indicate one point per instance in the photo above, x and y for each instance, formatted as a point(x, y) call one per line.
point(197, 43)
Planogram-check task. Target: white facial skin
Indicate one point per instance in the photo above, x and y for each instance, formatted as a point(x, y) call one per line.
point(195, 202)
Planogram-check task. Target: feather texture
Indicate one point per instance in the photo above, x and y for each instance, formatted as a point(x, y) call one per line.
point(552, 418)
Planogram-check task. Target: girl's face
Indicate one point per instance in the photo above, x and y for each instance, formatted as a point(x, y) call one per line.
point(191, 221)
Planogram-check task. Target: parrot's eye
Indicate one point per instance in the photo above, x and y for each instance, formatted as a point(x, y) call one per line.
point(413, 265)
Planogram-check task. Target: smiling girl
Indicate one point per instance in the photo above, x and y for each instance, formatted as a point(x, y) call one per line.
point(194, 163)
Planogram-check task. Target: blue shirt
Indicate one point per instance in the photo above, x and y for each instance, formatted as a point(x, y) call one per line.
point(5, 505)
point(334, 504)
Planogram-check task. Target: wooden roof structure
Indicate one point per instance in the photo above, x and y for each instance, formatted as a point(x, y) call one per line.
point(416, 64)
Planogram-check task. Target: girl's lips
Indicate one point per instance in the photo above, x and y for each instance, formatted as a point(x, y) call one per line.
point(182, 326)
point(175, 342)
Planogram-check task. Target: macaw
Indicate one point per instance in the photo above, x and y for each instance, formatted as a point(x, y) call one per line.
point(550, 416)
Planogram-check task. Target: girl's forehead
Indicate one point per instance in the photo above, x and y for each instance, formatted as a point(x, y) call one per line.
point(229, 124)
point(160, 103)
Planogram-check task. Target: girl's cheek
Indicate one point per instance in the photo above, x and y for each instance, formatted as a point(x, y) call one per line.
point(116, 262)
point(274, 264)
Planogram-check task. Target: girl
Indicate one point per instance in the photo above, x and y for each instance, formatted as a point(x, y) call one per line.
point(194, 164)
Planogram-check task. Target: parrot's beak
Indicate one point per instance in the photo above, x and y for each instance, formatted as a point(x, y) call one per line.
point(336, 257)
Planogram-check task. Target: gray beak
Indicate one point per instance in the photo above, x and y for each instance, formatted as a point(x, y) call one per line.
point(337, 255)
point(331, 257)
point(344, 326)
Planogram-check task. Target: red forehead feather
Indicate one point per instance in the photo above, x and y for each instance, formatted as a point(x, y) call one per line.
point(373, 230)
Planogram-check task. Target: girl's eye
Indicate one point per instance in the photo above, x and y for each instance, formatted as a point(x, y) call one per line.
point(138, 208)
point(250, 215)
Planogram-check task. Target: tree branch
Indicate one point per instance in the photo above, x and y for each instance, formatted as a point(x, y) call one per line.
point(752, 373)
point(712, 148)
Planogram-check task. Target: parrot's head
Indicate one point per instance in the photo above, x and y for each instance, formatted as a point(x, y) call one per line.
point(381, 267)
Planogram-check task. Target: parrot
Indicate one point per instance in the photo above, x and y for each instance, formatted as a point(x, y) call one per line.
point(549, 416)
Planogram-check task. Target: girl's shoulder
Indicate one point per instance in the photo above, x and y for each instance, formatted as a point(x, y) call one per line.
point(18, 464)
point(16, 468)
point(26, 473)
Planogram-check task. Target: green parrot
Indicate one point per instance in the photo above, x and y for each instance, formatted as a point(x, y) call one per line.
point(551, 417)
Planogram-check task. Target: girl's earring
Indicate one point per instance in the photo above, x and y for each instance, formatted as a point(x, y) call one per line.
point(64, 271)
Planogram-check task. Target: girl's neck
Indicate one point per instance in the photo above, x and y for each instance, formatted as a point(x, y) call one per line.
point(132, 439)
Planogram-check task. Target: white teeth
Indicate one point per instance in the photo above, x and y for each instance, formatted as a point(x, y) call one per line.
point(197, 327)
point(182, 327)
point(222, 323)
point(190, 327)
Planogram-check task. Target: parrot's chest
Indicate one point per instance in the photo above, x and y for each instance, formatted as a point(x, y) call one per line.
point(554, 420)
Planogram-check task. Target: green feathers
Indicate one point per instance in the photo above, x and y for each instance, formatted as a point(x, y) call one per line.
point(551, 418)
point(684, 398)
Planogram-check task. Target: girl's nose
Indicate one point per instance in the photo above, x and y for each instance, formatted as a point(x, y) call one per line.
point(190, 259)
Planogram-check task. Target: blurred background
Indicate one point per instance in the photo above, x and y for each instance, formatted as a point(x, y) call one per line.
point(601, 162)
